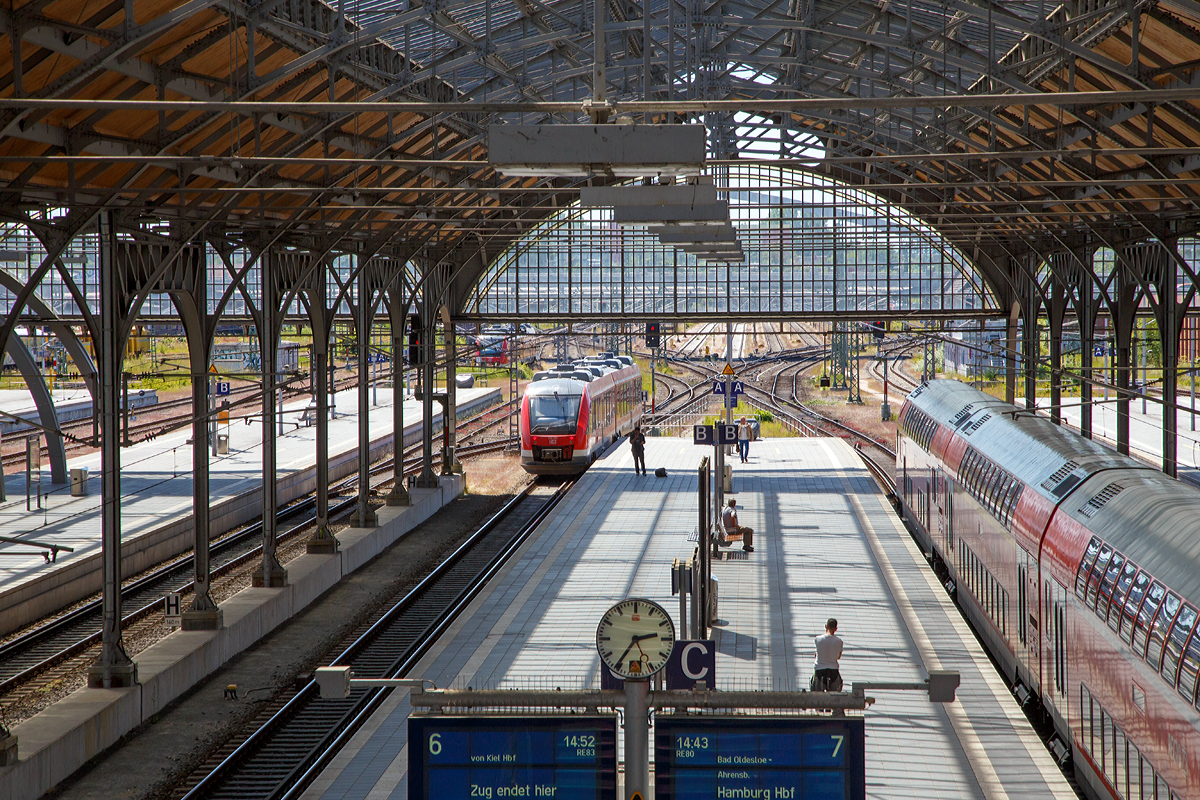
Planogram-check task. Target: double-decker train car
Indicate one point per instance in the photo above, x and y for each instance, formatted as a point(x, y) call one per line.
point(1080, 570)
point(569, 415)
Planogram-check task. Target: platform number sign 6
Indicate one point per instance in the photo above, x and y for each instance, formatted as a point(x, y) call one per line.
point(435, 743)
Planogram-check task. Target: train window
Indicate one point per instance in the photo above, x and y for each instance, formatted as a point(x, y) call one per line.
point(1119, 592)
point(1085, 716)
point(1119, 772)
point(1097, 573)
point(1135, 780)
point(1085, 567)
point(1189, 668)
point(1106, 743)
point(1141, 632)
point(1160, 787)
point(973, 471)
point(1176, 639)
point(1136, 592)
point(1147, 780)
point(1158, 630)
point(981, 473)
point(1106, 585)
point(1010, 502)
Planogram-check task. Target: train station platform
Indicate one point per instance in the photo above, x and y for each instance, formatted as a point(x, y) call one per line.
point(58, 741)
point(156, 487)
point(827, 544)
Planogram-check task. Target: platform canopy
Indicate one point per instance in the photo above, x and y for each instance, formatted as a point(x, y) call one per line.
point(1016, 130)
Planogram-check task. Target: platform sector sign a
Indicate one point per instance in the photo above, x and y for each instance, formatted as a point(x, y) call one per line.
point(759, 758)
point(495, 758)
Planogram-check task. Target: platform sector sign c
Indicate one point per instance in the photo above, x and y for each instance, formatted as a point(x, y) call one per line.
point(494, 758)
point(760, 758)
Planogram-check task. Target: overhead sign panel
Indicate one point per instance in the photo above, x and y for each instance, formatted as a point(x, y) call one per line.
point(582, 150)
point(791, 758)
point(680, 214)
point(677, 194)
point(677, 234)
point(497, 757)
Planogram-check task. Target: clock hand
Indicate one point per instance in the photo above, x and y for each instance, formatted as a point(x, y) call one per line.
point(634, 641)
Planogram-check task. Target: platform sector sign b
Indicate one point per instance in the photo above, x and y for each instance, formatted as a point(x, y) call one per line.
point(727, 433)
point(703, 434)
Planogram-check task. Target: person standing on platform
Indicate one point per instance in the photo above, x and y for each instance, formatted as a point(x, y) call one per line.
point(729, 521)
point(744, 439)
point(637, 443)
point(826, 675)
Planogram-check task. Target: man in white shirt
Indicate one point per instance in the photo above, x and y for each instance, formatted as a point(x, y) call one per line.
point(825, 665)
point(729, 522)
point(744, 440)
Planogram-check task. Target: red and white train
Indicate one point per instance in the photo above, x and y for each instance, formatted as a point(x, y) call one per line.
point(1080, 569)
point(572, 413)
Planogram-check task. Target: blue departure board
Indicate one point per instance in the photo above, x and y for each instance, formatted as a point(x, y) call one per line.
point(495, 758)
point(759, 758)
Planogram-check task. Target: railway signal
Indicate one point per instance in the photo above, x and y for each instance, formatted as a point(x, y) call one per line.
point(653, 337)
point(414, 339)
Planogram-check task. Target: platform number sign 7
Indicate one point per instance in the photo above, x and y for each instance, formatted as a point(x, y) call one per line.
point(837, 747)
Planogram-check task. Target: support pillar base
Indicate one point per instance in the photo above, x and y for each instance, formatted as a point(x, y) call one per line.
point(207, 620)
point(112, 676)
point(427, 480)
point(8, 751)
point(322, 543)
point(398, 496)
point(372, 521)
point(278, 578)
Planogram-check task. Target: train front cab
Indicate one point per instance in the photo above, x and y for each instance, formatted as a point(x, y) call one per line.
point(555, 431)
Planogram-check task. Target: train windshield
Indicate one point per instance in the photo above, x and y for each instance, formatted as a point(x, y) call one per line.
point(553, 413)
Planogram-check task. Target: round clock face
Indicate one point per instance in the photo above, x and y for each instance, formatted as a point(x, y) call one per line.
point(635, 638)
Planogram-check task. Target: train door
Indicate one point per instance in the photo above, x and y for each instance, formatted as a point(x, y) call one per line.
point(941, 488)
point(1054, 643)
point(1027, 618)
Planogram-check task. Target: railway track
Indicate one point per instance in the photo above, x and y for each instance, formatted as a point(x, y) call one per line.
point(78, 434)
point(64, 645)
point(299, 733)
point(803, 420)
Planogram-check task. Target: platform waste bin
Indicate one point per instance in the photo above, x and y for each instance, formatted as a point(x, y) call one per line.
point(79, 482)
point(222, 444)
point(727, 483)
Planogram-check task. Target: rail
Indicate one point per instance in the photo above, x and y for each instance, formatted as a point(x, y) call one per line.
point(282, 756)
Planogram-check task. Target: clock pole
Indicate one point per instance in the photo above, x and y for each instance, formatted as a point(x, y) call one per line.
point(637, 738)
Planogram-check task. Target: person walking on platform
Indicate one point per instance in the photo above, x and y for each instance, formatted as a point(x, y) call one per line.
point(826, 675)
point(744, 439)
point(637, 443)
point(729, 521)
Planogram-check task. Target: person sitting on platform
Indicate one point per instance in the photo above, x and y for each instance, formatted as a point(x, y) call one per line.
point(729, 521)
point(826, 675)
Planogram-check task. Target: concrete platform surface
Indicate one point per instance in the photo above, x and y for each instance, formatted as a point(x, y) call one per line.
point(64, 737)
point(156, 505)
point(826, 545)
